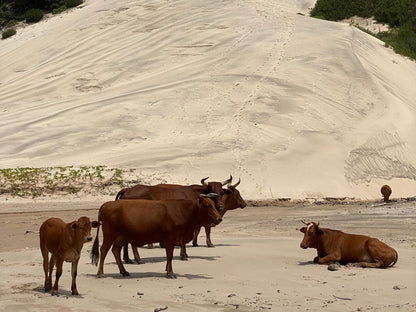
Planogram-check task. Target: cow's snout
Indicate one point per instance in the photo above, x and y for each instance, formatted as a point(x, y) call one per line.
point(88, 238)
point(219, 220)
point(303, 246)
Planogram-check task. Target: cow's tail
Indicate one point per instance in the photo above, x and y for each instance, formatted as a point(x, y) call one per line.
point(95, 252)
point(120, 194)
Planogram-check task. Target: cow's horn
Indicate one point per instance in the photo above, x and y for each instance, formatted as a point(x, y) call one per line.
point(235, 185)
point(203, 181)
point(228, 181)
point(304, 222)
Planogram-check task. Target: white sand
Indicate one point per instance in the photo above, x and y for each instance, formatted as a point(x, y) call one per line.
point(297, 107)
point(256, 265)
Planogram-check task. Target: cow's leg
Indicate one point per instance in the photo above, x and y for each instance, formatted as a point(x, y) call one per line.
point(117, 254)
point(105, 247)
point(52, 262)
point(329, 259)
point(45, 255)
point(74, 272)
point(196, 233)
point(378, 264)
point(126, 257)
point(59, 263)
point(184, 255)
point(208, 234)
point(136, 254)
point(169, 256)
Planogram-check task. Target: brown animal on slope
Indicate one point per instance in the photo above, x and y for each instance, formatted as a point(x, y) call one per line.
point(64, 241)
point(232, 200)
point(336, 246)
point(141, 222)
point(171, 191)
point(386, 192)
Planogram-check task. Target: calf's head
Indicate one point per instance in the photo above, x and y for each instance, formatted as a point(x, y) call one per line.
point(82, 229)
point(311, 235)
point(208, 214)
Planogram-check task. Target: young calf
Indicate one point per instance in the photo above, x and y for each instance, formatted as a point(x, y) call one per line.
point(64, 241)
point(336, 246)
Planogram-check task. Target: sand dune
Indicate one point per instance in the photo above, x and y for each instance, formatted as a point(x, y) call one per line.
point(296, 107)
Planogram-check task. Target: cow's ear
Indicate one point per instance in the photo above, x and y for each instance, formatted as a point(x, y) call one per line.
point(74, 225)
point(95, 224)
point(303, 230)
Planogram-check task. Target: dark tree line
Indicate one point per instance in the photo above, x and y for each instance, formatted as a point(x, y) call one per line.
point(400, 15)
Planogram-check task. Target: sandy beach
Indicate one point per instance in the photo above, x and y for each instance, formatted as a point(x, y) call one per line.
point(304, 111)
point(256, 264)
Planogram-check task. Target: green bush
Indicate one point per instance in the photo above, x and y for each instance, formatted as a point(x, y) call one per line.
point(11, 23)
point(73, 3)
point(59, 10)
point(8, 33)
point(33, 15)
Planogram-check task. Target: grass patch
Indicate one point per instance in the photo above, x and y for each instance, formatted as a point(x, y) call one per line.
point(36, 182)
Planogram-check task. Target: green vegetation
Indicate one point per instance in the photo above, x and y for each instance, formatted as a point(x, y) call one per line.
point(8, 33)
point(35, 182)
point(31, 10)
point(400, 15)
point(33, 15)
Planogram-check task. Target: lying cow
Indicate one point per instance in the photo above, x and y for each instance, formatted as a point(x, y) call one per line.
point(141, 222)
point(64, 241)
point(336, 246)
point(232, 200)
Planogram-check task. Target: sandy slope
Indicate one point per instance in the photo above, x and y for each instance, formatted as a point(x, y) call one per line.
point(296, 107)
point(257, 264)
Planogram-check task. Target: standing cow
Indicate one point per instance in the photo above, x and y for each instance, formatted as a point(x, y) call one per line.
point(337, 246)
point(232, 200)
point(64, 241)
point(141, 222)
point(172, 191)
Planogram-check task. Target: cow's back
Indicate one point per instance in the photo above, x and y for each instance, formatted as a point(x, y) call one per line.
point(145, 221)
point(51, 232)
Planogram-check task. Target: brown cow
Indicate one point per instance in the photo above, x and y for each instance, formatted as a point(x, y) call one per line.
point(232, 200)
point(337, 246)
point(141, 222)
point(64, 241)
point(386, 192)
point(171, 191)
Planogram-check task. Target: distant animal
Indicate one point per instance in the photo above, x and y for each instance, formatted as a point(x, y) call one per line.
point(171, 191)
point(336, 246)
point(232, 200)
point(386, 192)
point(64, 241)
point(141, 222)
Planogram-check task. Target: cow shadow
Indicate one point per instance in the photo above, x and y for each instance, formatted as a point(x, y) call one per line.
point(216, 245)
point(61, 292)
point(139, 275)
point(175, 258)
point(306, 262)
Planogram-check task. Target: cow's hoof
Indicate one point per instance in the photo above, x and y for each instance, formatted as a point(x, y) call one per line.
point(125, 273)
point(334, 266)
point(54, 293)
point(195, 244)
point(316, 259)
point(128, 261)
point(171, 276)
point(210, 245)
point(139, 261)
point(184, 258)
point(100, 275)
point(75, 293)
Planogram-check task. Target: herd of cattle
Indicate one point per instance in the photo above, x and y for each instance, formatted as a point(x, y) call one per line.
point(173, 215)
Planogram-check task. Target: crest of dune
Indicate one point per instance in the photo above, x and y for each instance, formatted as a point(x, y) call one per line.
point(181, 90)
